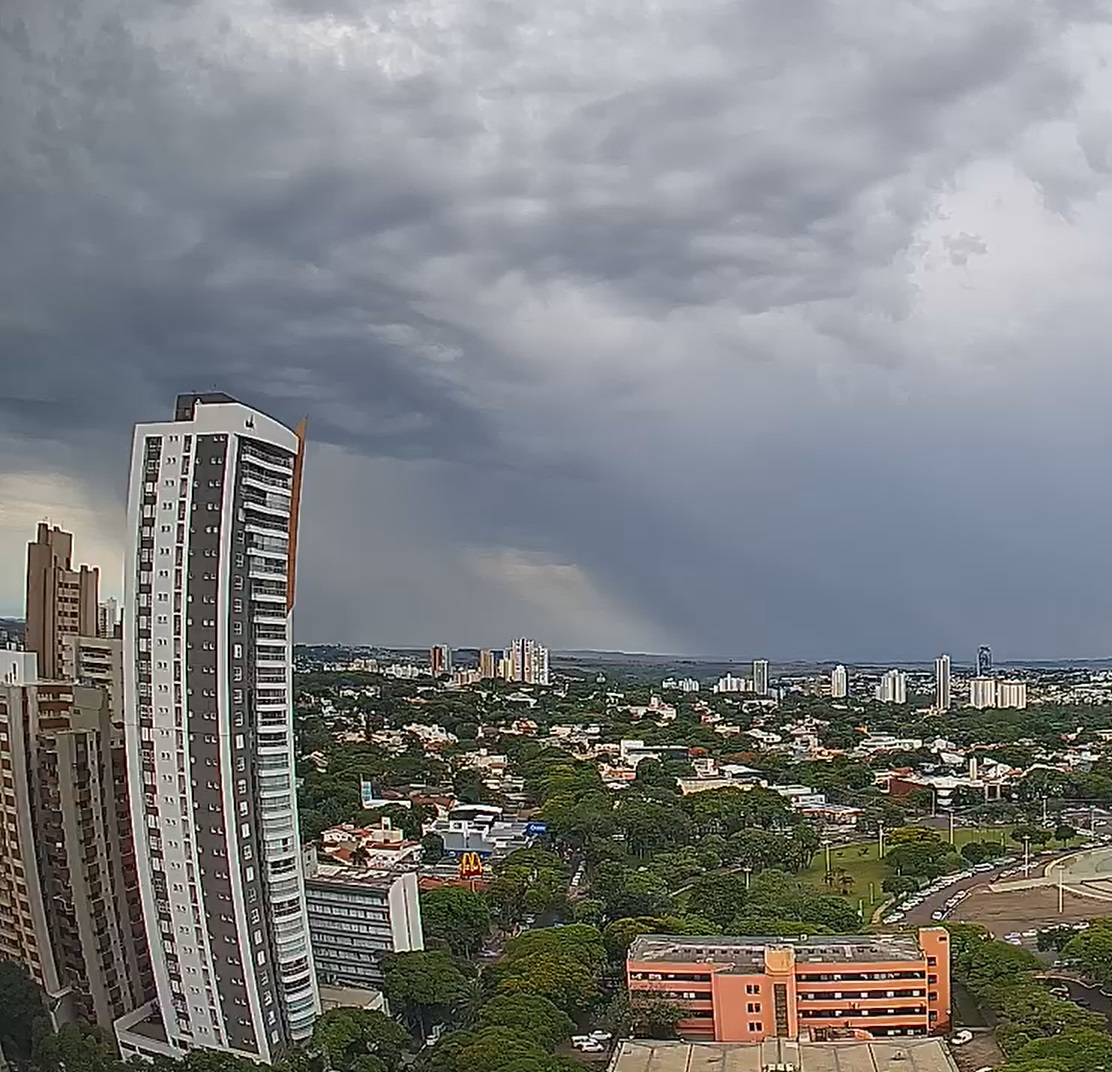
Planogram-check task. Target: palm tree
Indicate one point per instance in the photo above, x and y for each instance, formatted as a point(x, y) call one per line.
point(846, 881)
point(470, 1000)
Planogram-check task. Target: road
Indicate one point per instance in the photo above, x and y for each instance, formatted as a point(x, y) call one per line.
point(1094, 998)
point(934, 903)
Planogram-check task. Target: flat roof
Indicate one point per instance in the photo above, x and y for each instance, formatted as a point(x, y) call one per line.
point(749, 952)
point(918, 1055)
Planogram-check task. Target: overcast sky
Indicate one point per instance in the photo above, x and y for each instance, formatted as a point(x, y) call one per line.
point(733, 327)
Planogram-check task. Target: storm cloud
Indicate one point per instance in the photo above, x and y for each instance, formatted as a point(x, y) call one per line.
point(735, 328)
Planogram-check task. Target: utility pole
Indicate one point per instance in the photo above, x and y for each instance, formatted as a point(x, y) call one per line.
point(1061, 871)
point(826, 843)
point(1026, 856)
point(951, 827)
point(880, 840)
point(1044, 811)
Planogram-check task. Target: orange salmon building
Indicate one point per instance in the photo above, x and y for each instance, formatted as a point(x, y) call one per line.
point(750, 989)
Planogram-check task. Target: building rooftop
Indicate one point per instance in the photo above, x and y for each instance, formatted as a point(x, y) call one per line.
point(749, 952)
point(339, 874)
point(896, 1055)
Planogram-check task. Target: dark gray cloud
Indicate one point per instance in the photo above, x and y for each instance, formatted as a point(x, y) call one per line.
point(629, 326)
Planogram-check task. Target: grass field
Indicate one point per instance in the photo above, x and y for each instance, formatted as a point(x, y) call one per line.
point(861, 863)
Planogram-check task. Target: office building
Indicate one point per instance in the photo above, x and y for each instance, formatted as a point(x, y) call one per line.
point(356, 916)
point(839, 683)
point(751, 989)
point(1011, 694)
point(488, 664)
point(97, 661)
point(942, 683)
point(760, 677)
point(528, 662)
point(892, 688)
point(108, 619)
point(440, 660)
point(61, 600)
point(982, 692)
point(984, 661)
point(209, 592)
point(68, 881)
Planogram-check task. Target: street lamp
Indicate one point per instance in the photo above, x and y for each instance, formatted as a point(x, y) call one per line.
point(748, 871)
point(1026, 856)
point(1061, 872)
point(826, 845)
point(880, 840)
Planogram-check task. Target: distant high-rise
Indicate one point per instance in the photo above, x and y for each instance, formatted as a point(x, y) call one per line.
point(108, 619)
point(1011, 694)
point(528, 662)
point(892, 688)
point(942, 683)
point(68, 878)
point(982, 692)
point(209, 592)
point(488, 663)
point(760, 677)
point(839, 683)
point(984, 661)
point(440, 659)
point(61, 600)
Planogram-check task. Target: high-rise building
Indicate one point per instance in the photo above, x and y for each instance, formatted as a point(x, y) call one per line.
point(839, 683)
point(61, 600)
point(942, 683)
point(984, 661)
point(67, 871)
point(108, 619)
point(209, 591)
point(1012, 694)
point(440, 660)
point(892, 688)
point(488, 663)
point(760, 677)
point(528, 662)
point(982, 692)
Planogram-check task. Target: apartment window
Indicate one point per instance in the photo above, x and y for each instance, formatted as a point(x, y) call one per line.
point(755, 1027)
point(752, 988)
point(753, 1006)
point(932, 962)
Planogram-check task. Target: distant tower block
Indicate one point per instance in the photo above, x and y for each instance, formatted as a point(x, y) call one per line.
point(984, 661)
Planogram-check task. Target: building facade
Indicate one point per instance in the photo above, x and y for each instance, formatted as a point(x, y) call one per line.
point(488, 664)
point(751, 989)
point(209, 591)
point(356, 916)
point(1011, 694)
point(528, 662)
point(440, 660)
point(760, 677)
point(61, 600)
point(71, 911)
point(942, 697)
point(892, 688)
point(982, 692)
point(984, 661)
point(839, 683)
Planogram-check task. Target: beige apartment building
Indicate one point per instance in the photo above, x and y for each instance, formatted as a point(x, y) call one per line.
point(69, 907)
point(61, 600)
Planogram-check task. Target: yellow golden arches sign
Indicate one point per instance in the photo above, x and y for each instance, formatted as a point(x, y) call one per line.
point(470, 865)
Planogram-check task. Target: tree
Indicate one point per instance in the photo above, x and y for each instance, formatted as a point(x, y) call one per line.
point(348, 1035)
point(421, 985)
point(528, 882)
point(899, 885)
point(432, 848)
point(456, 917)
point(76, 1048)
point(977, 852)
point(656, 1018)
point(558, 963)
point(1064, 832)
point(22, 1013)
point(530, 1015)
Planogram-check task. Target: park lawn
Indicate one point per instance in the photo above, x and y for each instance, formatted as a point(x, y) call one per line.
point(860, 861)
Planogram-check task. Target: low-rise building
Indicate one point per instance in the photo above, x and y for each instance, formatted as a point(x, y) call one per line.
point(751, 989)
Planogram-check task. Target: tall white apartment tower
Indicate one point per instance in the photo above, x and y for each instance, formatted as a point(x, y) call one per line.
point(208, 593)
point(942, 697)
point(760, 677)
point(839, 683)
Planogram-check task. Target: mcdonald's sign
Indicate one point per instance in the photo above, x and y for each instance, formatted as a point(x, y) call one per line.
point(470, 865)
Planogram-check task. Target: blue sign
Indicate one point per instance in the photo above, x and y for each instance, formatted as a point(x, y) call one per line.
point(536, 829)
